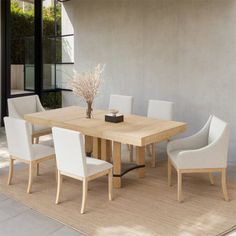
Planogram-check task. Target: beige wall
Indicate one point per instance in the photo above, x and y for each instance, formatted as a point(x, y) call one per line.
point(179, 50)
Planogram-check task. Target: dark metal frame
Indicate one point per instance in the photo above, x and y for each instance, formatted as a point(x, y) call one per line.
point(5, 57)
point(38, 46)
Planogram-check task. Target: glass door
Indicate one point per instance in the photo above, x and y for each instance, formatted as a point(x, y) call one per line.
point(22, 59)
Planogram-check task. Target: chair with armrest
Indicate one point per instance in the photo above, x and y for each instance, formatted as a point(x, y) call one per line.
point(20, 106)
point(204, 152)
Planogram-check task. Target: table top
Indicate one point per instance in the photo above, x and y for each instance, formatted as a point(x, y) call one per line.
point(135, 130)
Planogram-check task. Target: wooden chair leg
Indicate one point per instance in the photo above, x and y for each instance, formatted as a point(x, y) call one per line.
point(37, 169)
point(59, 184)
point(30, 177)
point(84, 197)
point(179, 185)
point(224, 185)
point(169, 172)
point(110, 182)
point(11, 169)
point(131, 153)
point(211, 178)
point(153, 156)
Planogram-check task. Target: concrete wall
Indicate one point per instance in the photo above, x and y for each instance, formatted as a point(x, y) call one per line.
point(183, 51)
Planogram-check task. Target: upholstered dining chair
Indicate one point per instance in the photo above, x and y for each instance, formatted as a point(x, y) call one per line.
point(161, 110)
point(20, 147)
point(72, 162)
point(19, 106)
point(204, 152)
point(124, 104)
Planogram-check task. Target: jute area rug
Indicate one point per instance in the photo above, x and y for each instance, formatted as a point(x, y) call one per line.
point(141, 207)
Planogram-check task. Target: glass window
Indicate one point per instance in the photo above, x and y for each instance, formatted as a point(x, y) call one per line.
point(22, 46)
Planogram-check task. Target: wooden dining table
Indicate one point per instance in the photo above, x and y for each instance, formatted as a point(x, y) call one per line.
point(138, 131)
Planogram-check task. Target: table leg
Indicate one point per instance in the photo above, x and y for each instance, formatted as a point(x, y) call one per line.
point(88, 144)
point(96, 148)
point(106, 150)
point(140, 160)
point(117, 164)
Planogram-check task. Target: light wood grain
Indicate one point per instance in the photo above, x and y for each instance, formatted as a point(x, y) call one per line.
point(140, 160)
point(33, 164)
point(106, 150)
point(117, 164)
point(96, 148)
point(85, 181)
point(180, 173)
point(135, 130)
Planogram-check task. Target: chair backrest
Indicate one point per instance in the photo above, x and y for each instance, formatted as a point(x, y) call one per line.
point(18, 138)
point(160, 109)
point(18, 107)
point(122, 103)
point(217, 129)
point(70, 151)
point(218, 138)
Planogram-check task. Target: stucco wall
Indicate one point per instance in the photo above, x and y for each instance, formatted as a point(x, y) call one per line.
point(183, 51)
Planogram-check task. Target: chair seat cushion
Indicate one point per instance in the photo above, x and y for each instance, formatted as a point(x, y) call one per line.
point(95, 166)
point(41, 151)
point(48, 143)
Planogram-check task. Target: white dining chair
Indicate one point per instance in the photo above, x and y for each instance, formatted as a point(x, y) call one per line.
point(72, 162)
point(124, 104)
point(161, 110)
point(20, 106)
point(20, 147)
point(204, 152)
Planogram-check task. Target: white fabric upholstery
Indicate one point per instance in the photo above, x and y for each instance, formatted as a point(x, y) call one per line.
point(124, 104)
point(40, 151)
point(18, 134)
point(206, 149)
point(160, 109)
point(48, 143)
point(95, 166)
point(70, 154)
point(18, 107)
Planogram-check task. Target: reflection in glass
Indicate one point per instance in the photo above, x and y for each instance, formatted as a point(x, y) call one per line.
point(22, 46)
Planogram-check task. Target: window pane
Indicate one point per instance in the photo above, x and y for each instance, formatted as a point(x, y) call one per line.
point(22, 46)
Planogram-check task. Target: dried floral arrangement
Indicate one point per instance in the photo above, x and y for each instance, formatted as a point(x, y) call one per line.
point(87, 84)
